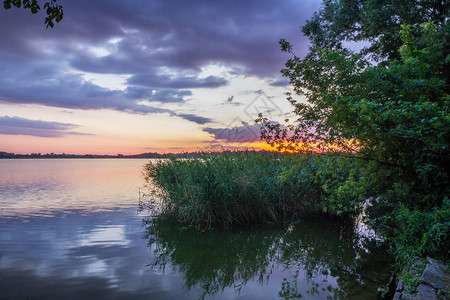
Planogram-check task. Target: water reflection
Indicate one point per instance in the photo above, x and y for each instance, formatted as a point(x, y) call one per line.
point(48, 187)
point(69, 229)
point(316, 258)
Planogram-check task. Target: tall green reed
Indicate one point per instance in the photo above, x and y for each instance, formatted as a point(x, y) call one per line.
point(241, 188)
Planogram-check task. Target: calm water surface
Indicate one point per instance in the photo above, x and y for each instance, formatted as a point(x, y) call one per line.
point(71, 229)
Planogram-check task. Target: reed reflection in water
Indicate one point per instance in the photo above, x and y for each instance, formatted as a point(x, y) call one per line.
point(316, 258)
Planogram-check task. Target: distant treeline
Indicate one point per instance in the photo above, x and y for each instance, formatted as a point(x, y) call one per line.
point(64, 155)
point(141, 155)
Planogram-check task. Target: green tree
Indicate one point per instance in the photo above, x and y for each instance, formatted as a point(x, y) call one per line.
point(386, 104)
point(394, 112)
point(53, 10)
point(377, 22)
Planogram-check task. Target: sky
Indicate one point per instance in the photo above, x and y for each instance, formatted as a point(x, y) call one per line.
point(141, 76)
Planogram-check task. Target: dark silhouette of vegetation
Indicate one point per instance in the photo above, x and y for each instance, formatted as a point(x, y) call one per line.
point(53, 10)
point(385, 105)
point(65, 155)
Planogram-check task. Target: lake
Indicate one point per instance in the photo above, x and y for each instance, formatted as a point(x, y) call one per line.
point(75, 229)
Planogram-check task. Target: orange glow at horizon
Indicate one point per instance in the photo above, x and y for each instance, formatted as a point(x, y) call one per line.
point(316, 147)
point(79, 145)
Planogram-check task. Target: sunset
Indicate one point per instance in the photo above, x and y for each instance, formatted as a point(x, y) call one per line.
point(133, 77)
point(257, 149)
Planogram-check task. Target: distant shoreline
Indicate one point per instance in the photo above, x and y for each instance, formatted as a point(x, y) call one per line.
point(6, 155)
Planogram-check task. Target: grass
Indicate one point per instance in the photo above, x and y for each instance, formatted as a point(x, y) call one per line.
point(245, 187)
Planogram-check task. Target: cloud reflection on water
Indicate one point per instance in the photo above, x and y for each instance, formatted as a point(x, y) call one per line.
point(70, 229)
point(46, 187)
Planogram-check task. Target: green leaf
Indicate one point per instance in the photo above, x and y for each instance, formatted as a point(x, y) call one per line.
point(7, 4)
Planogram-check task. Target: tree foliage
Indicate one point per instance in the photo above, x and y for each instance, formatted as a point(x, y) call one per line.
point(377, 22)
point(54, 11)
point(394, 112)
point(387, 103)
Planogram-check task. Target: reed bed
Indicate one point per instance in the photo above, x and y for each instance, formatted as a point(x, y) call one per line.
point(238, 188)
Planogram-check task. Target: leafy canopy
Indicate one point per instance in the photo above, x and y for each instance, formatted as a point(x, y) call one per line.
point(53, 10)
point(376, 22)
point(385, 105)
point(394, 111)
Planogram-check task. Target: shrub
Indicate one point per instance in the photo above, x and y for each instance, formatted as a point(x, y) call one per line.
point(422, 233)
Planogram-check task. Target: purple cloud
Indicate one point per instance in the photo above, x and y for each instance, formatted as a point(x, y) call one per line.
point(141, 39)
point(21, 126)
point(238, 132)
point(194, 118)
point(178, 82)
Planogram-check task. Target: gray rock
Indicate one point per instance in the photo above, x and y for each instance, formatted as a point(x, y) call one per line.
point(406, 296)
point(399, 286)
point(397, 296)
point(426, 292)
point(434, 274)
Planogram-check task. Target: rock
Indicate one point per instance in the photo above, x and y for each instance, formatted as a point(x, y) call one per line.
point(426, 292)
point(398, 291)
point(433, 283)
point(406, 296)
point(399, 286)
point(434, 274)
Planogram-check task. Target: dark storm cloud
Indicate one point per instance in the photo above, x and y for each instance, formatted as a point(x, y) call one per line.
point(244, 133)
point(163, 95)
point(16, 126)
point(142, 39)
point(283, 82)
point(46, 86)
point(185, 34)
point(168, 33)
point(194, 118)
point(152, 80)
